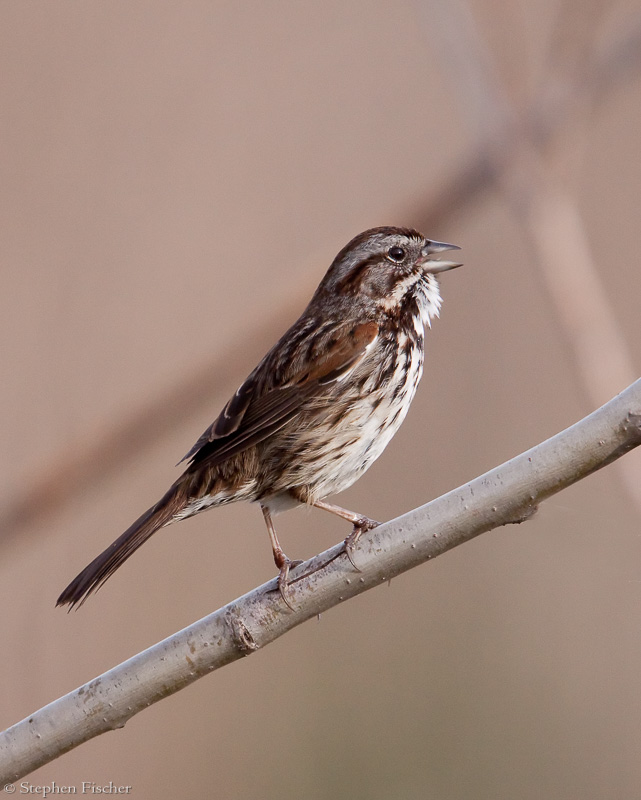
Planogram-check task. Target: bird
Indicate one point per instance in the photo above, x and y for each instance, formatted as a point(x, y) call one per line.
point(319, 408)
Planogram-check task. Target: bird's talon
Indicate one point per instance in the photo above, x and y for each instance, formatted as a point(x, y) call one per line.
point(363, 524)
point(282, 590)
point(349, 552)
point(282, 581)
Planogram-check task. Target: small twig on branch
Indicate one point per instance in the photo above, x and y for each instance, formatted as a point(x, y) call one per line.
point(509, 493)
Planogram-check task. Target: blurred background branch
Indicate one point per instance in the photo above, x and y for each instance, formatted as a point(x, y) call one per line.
point(509, 155)
point(578, 77)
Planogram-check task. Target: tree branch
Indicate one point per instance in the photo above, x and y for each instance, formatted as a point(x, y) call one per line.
point(510, 493)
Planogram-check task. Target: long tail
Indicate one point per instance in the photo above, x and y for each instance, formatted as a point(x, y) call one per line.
point(103, 566)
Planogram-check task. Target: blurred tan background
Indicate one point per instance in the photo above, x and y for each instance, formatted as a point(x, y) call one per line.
point(176, 179)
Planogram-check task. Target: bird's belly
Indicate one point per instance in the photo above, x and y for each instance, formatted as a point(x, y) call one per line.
point(334, 449)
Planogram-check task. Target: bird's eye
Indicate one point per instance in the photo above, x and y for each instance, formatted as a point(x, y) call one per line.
point(396, 254)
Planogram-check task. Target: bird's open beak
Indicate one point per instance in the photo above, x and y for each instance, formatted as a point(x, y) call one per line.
point(434, 265)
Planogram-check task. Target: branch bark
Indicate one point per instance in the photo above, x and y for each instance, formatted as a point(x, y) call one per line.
point(508, 494)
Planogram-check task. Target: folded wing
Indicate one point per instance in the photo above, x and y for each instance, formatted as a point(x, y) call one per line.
point(259, 409)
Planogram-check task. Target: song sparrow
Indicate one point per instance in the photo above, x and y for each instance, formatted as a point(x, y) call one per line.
point(320, 407)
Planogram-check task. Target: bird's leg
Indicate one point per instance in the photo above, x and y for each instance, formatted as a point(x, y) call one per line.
point(280, 559)
point(359, 522)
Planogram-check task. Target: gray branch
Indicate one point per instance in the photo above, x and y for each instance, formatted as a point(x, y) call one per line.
point(510, 493)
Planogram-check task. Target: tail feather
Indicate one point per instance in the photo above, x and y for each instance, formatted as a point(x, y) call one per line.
point(103, 566)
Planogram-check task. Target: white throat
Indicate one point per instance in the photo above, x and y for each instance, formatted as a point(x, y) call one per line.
point(428, 297)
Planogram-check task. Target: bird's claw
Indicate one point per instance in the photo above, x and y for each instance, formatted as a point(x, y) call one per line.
point(360, 526)
point(282, 582)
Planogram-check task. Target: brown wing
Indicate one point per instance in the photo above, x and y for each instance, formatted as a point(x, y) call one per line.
point(257, 410)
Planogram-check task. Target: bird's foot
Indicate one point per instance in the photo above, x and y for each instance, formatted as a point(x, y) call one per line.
point(361, 525)
point(284, 565)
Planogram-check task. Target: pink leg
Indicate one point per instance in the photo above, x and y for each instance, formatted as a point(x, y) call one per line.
point(280, 559)
point(359, 522)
